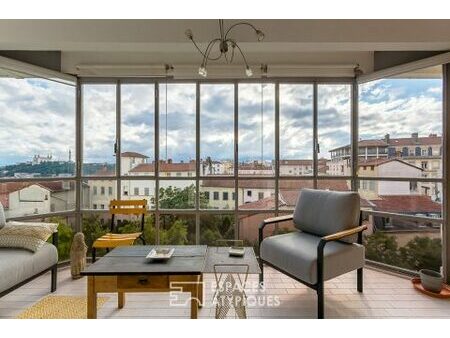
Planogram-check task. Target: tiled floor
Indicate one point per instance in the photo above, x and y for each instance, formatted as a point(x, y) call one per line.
point(385, 296)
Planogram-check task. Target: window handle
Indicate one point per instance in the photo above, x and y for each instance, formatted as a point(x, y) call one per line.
point(318, 148)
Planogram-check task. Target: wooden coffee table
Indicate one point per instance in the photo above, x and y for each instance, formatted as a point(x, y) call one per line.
point(125, 269)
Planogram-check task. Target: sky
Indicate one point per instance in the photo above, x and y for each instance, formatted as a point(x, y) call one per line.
point(38, 117)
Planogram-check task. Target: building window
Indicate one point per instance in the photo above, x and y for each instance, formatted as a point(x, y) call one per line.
point(102, 206)
point(260, 195)
point(249, 193)
point(233, 196)
point(424, 165)
point(178, 174)
point(372, 167)
point(102, 190)
point(413, 186)
point(110, 191)
point(94, 206)
point(405, 151)
point(206, 194)
point(147, 191)
point(95, 190)
point(225, 196)
point(136, 191)
point(216, 195)
point(430, 151)
point(190, 174)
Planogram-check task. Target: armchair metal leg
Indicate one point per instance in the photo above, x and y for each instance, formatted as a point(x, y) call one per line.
point(359, 279)
point(94, 251)
point(54, 278)
point(261, 275)
point(320, 301)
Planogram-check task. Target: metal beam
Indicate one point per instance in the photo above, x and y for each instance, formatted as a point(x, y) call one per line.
point(446, 172)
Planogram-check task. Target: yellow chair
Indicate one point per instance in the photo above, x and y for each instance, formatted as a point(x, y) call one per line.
point(112, 240)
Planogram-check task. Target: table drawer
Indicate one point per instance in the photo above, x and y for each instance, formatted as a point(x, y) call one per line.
point(140, 282)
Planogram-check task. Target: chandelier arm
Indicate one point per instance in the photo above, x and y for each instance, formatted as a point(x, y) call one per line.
point(240, 24)
point(243, 56)
point(208, 51)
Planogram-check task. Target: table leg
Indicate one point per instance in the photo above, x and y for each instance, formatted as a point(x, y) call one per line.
point(200, 291)
point(121, 299)
point(91, 298)
point(194, 301)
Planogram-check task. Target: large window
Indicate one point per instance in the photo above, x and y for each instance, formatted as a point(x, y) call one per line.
point(245, 172)
point(217, 129)
point(296, 129)
point(37, 128)
point(400, 128)
point(99, 129)
point(256, 129)
point(138, 128)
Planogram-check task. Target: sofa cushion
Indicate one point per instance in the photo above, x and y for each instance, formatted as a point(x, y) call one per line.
point(296, 253)
point(2, 216)
point(323, 212)
point(17, 265)
point(30, 236)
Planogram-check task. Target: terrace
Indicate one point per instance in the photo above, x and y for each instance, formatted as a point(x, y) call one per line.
point(213, 157)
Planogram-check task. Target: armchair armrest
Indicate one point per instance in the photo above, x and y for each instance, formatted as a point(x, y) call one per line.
point(271, 220)
point(345, 233)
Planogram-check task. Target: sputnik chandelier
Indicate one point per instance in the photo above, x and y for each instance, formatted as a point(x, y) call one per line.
point(227, 47)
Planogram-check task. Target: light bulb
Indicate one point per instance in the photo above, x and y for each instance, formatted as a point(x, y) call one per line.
point(202, 71)
point(260, 35)
point(248, 71)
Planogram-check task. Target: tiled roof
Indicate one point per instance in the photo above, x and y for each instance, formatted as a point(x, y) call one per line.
point(164, 167)
point(104, 171)
point(265, 203)
point(409, 141)
point(380, 161)
point(133, 154)
point(406, 204)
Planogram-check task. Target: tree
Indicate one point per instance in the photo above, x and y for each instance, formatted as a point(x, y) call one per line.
point(422, 253)
point(382, 248)
point(65, 236)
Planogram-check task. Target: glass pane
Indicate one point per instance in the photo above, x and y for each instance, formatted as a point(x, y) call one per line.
point(403, 197)
point(99, 129)
point(34, 198)
point(177, 194)
point(217, 194)
point(217, 129)
point(216, 227)
point(138, 127)
point(256, 129)
point(139, 190)
point(177, 229)
point(290, 190)
point(418, 247)
point(95, 225)
point(296, 129)
point(98, 193)
point(177, 123)
point(248, 228)
point(334, 185)
point(256, 194)
point(400, 125)
point(334, 129)
point(37, 128)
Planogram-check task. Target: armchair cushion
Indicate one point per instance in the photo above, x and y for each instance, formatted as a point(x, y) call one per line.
point(323, 213)
point(296, 254)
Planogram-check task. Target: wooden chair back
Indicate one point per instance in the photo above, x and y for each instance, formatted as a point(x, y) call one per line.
point(128, 207)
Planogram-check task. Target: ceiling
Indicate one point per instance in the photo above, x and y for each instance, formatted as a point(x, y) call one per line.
point(137, 42)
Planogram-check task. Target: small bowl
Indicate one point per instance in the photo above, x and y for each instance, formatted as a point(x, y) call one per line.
point(431, 280)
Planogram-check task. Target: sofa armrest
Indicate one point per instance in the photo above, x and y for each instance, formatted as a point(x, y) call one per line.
point(271, 220)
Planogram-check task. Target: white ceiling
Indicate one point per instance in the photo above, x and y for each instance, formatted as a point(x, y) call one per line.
point(164, 41)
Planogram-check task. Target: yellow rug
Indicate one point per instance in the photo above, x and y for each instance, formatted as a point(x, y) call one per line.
point(60, 307)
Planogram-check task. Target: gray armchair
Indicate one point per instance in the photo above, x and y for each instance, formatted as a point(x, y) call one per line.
point(328, 242)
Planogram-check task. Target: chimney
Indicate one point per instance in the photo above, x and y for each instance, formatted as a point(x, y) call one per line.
point(169, 161)
point(387, 138)
point(415, 136)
